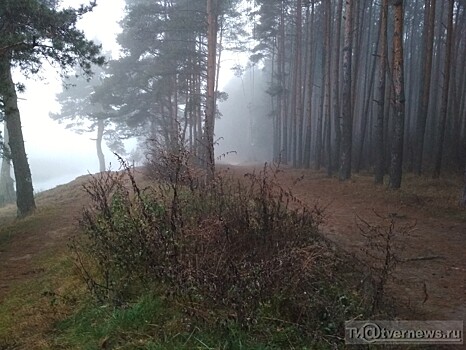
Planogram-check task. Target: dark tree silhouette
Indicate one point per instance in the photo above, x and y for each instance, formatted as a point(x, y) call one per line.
point(32, 31)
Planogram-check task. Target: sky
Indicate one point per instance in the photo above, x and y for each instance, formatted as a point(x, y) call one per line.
point(58, 155)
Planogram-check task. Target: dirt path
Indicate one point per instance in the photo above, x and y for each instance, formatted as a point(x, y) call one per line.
point(45, 232)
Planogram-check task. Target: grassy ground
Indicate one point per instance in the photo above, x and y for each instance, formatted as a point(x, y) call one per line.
point(45, 305)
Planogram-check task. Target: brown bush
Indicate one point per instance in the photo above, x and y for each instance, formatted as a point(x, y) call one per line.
point(233, 250)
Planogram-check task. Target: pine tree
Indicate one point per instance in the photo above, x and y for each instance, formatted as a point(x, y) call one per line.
point(380, 99)
point(424, 85)
point(445, 93)
point(32, 31)
point(347, 116)
point(396, 160)
point(82, 112)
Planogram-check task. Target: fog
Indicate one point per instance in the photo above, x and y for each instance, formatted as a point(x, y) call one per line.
point(244, 130)
point(58, 155)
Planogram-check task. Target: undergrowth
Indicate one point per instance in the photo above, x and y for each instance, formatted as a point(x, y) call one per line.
point(384, 243)
point(239, 260)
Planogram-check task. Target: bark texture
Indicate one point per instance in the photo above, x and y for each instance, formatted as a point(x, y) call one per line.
point(347, 115)
point(7, 184)
point(380, 99)
point(446, 89)
point(100, 153)
point(212, 28)
point(424, 85)
point(396, 160)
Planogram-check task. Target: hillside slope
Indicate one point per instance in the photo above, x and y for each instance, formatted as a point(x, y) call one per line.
point(36, 270)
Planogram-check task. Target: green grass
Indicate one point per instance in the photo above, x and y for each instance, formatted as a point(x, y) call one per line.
point(153, 322)
point(41, 289)
point(98, 326)
point(149, 323)
point(34, 304)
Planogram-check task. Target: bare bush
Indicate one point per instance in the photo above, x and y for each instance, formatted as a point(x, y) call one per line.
point(233, 250)
point(383, 245)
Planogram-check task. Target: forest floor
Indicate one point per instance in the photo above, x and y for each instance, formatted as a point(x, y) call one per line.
point(430, 281)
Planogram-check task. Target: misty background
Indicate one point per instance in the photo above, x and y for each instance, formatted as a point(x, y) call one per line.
point(245, 126)
point(58, 155)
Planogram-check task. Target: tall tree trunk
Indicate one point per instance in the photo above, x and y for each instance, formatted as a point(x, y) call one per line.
point(446, 89)
point(212, 26)
point(359, 154)
point(433, 111)
point(380, 99)
point(7, 184)
point(457, 78)
point(305, 70)
point(424, 95)
point(322, 129)
point(274, 106)
point(463, 197)
point(24, 190)
point(282, 77)
point(347, 115)
point(98, 142)
point(309, 92)
point(296, 108)
point(461, 87)
point(200, 149)
point(412, 73)
point(336, 87)
point(299, 85)
point(327, 107)
point(396, 160)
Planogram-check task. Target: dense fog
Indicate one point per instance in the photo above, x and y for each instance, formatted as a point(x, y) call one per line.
point(245, 126)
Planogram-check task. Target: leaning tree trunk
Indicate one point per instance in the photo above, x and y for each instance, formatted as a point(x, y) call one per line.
point(24, 190)
point(98, 142)
point(7, 184)
point(347, 115)
point(396, 160)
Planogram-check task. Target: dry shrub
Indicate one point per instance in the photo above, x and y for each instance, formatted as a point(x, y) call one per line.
point(384, 242)
point(233, 250)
